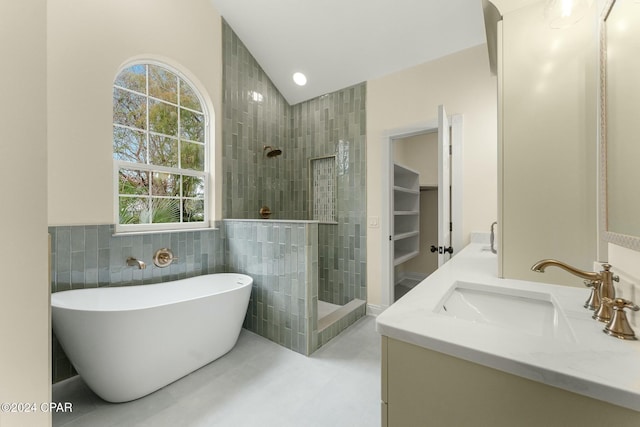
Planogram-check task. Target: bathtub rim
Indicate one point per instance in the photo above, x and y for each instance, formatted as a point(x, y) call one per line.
point(144, 305)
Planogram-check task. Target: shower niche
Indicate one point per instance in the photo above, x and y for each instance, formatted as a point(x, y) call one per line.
point(323, 189)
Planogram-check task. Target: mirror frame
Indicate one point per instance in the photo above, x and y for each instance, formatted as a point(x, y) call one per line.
point(630, 242)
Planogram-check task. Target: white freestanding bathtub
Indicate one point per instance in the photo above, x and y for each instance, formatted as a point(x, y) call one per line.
point(126, 342)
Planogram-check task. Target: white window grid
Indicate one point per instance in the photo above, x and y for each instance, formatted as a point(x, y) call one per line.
point(151, 168)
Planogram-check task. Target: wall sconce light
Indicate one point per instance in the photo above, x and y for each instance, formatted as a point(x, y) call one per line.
point(564, 13)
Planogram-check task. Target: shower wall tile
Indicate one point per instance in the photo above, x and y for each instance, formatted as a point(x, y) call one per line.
point(92, 256)
point(256, 115)
point(282, 259)
point(333, 125)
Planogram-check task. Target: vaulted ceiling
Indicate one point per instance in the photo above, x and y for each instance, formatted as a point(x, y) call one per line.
point(338, 43)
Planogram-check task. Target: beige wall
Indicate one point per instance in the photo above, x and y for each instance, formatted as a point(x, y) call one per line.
point(88, 42)
point(549, 147)
point(25, 374)
point(420, 153)
point(462, 82)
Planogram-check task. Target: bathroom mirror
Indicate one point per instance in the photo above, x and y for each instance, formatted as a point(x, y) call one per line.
point(620, 121)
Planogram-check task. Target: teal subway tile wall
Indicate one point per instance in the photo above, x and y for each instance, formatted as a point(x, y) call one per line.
point(282, 259)
point(91, 256)
point(255, 115)
point(334, 124)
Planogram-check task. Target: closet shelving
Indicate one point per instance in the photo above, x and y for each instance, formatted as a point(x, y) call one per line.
point(406, 213)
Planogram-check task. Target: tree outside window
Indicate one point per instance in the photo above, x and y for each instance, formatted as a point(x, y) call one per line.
point(159, 149)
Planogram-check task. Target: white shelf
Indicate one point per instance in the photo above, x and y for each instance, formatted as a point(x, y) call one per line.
point(406, 235)
point(404, 256)
point(406, 209)
point(406, 190)
point(399, 213)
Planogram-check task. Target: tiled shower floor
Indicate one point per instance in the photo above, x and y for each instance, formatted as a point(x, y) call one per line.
point(258, 383)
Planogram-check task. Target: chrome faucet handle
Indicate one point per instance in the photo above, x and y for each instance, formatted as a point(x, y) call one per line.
point(619, 326)
point(593, 302)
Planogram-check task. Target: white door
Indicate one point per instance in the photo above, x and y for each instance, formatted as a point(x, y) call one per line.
point(444, 188)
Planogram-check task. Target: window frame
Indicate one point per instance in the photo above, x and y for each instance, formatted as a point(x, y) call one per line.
point(122, 164)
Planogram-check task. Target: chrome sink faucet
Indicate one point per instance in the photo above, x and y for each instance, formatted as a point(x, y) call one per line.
point(601, 282)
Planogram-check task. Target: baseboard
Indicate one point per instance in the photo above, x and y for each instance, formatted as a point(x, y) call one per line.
point(375, 310)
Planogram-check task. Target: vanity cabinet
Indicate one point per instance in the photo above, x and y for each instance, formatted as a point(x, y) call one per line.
point(421, 387)
point(406, 214)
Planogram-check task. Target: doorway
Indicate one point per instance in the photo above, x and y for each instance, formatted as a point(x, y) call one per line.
point(453, 201)
point(419, 153)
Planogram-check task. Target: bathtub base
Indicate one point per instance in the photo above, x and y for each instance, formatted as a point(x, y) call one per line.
point(125, 355)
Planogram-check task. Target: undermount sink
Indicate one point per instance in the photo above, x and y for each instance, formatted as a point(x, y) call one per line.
point(526, 312)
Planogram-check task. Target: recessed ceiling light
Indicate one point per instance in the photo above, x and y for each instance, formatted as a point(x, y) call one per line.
point(300, 79)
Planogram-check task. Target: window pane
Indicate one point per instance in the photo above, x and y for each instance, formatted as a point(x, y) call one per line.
point(163, 118)
point(129, 145)
point(165, 184)
point(165, 210)
point(133, 78)
point(163, 151)
point(192, 156)
point(193, 210)
point(133, 182)
point(158, 120)
point(134, 210)
point(193, 186)
point(163, 84)
point(188, 98)
point(191, 125)
point(129, 109)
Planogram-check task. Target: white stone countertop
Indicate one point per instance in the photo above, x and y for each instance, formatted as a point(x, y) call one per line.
point(590, 363)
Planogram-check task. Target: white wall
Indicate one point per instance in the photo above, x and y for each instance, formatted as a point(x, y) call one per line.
point(88, 42)
point(25, 371)
point(462, 82)
point(549, 147)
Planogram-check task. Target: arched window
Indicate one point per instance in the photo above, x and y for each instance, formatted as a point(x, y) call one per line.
point(160, 150)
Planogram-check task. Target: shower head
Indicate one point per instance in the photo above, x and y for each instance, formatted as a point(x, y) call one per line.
point(270, 151)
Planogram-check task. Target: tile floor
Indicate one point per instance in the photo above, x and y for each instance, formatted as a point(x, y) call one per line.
point(258, 383)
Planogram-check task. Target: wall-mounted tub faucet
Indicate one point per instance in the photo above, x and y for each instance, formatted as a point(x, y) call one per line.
point(133, 262)
point(601, 282)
